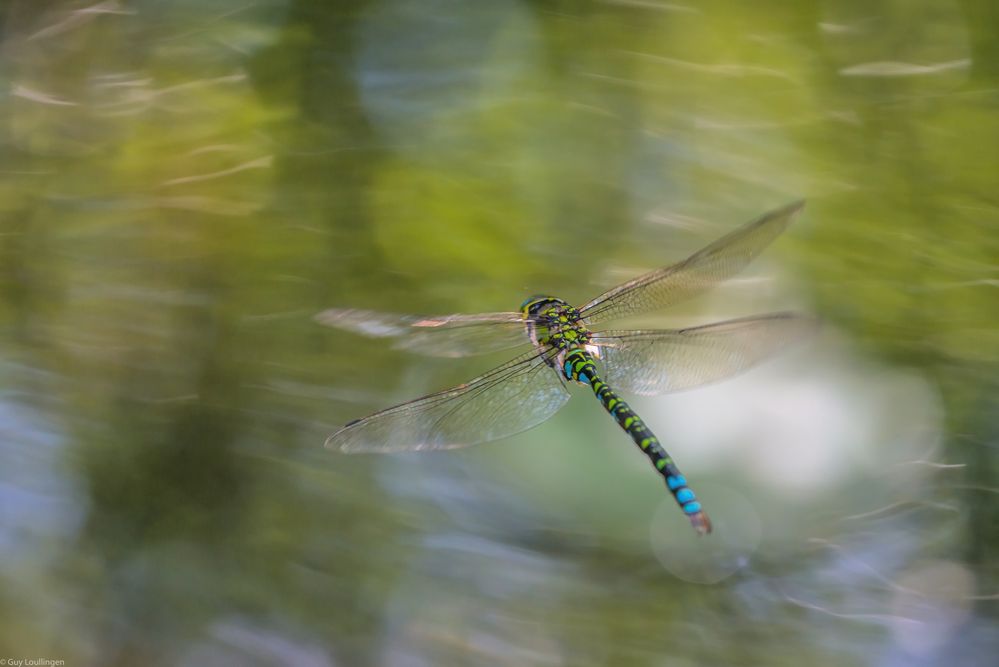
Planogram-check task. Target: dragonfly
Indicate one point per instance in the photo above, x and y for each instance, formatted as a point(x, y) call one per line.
point(565, 347)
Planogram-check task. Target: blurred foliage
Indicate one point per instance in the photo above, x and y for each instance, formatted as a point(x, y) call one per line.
point(184, 184)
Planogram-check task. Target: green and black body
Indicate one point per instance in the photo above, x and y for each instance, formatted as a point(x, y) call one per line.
point(554, 324)
point(565, 345)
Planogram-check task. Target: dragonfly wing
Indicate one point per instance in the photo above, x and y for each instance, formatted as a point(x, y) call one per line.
point(658, 362)
point(699, 272)
point(508, 399)
point(437, 336)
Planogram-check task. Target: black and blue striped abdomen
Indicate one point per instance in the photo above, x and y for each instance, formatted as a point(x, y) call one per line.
point(580, 367)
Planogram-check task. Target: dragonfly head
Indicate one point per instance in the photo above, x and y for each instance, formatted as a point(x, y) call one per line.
point(553, 324)
point(537, 304)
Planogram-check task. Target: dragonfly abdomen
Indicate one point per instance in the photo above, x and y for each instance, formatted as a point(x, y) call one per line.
point(580, 367)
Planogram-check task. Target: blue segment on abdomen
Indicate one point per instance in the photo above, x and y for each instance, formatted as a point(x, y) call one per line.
point(684, 496)
point(675, 482)
point(692, 507)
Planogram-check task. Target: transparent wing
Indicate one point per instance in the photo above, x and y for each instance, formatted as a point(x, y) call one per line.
point(658, 362)
point(699, 272)
point(511, 398)
point(437, 336)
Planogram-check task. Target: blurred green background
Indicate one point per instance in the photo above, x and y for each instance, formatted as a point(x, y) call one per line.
point(184, 184)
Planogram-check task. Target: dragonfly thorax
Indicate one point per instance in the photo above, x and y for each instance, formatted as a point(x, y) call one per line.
point(552, 324)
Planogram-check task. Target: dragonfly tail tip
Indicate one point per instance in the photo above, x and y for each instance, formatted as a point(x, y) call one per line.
point(701, 523)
